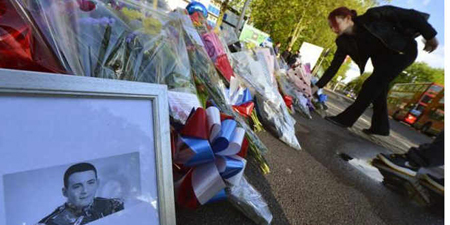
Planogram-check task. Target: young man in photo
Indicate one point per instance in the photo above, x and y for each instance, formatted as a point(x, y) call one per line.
point(82, 207)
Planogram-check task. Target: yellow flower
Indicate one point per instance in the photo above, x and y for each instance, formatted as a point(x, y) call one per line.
point(132, 14)
point(152, 26)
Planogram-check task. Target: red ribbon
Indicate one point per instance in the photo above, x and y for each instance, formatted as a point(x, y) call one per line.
point(288, 100)
point(223, 65)
point(245, 109)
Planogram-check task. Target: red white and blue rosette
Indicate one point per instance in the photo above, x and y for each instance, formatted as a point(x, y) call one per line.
point(206, 149)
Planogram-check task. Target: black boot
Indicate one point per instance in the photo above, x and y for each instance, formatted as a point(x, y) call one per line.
point(335, 121)
point(371, 132)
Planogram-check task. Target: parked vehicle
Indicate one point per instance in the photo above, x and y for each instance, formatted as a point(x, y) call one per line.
point(420, 105)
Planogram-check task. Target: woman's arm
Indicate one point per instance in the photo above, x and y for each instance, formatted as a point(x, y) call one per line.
point(338, 59)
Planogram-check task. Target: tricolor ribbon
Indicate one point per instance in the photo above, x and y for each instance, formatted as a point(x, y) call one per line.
point(206, 150)
point(240, 98)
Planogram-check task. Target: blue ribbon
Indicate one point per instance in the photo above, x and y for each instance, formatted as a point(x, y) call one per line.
point(323, 98)
point(247, 96)
point(223, 139)
point(222, 195)
point(202, 151)
point(232, 168)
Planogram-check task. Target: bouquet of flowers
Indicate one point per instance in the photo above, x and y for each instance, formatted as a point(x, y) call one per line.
point(212, 86)
point(253, 70)
point(300, 76)
point(300, 101)
point(124, 40)
point(213, 46)
point(22, 44)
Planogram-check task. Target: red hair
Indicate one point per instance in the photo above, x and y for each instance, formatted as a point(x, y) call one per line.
point(341, 12)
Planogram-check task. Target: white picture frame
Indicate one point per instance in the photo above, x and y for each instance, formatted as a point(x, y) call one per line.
point(52, 121)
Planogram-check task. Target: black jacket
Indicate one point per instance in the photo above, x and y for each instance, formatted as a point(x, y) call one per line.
point(394, 27)
point(285, 55)
point(292, 59)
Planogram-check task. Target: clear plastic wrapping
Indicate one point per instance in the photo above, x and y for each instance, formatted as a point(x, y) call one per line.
point(300, 76)
point(270, 104)
point(22, 44)
point(300, 102)
point(206, 74)
point(246, 198)
point(229, 35)
point(124, 40)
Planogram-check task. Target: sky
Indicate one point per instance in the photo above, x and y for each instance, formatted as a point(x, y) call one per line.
point(435, 59)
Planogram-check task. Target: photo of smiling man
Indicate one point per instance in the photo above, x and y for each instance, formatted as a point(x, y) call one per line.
point(82, 205)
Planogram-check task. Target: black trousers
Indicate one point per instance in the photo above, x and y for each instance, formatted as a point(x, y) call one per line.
point(387, 66)
point(430, 154)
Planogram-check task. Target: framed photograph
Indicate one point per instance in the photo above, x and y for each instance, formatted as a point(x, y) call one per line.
point(80, 150)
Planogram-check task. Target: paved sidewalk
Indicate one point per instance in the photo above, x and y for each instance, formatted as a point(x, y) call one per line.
point(316, 186)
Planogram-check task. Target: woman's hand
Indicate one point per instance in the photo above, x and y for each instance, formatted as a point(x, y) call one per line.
point(431, 45)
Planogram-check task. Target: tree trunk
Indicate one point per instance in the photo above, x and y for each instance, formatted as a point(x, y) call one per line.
point(298, 27)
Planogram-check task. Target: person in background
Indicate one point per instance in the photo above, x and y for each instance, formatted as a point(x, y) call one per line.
point(386, 34)
point(286, 54)
point(293, 58)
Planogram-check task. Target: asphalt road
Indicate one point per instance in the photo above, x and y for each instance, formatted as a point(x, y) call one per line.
point(316, 186)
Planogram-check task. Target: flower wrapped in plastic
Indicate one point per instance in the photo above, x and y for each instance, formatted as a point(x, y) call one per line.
point(213, 46)
point(300, 76)
point(225, 47)
point(253, 70)
point(22, 45)
point(125, 40)
point(206, 149)
point(210, 84)
point(229, 36)
point(300, 101)
point(268, 56)
point(247, 199)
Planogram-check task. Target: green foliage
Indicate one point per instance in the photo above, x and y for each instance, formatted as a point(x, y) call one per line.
point(420, 72)
point(357, 83)
point(416, 73)
point(280, 19)
point(342, 71)
point(237, 5)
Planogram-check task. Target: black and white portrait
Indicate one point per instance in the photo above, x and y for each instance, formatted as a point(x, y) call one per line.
point(68, 160)
point(82, 206)
point(77, 194)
